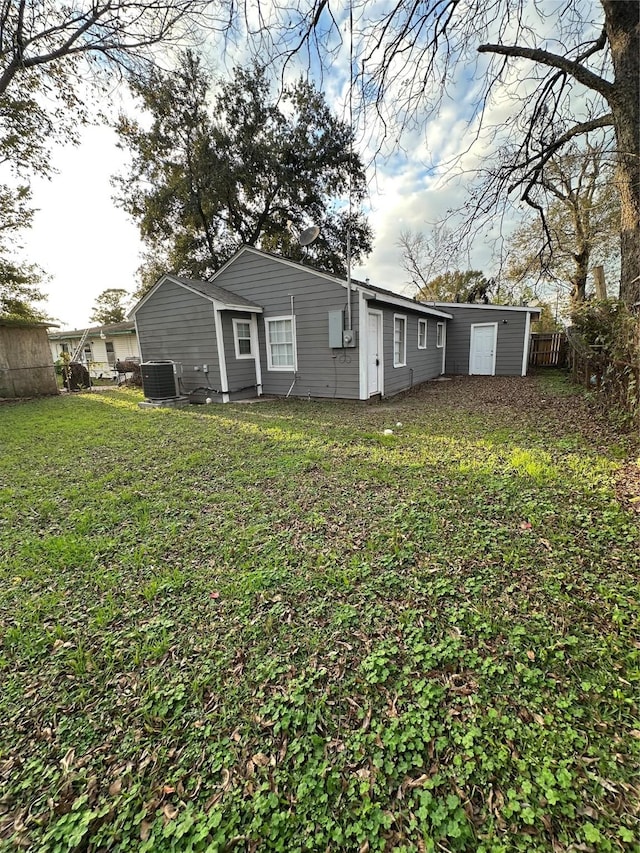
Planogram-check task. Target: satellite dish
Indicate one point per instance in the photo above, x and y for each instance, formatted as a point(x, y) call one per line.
point(308, 235)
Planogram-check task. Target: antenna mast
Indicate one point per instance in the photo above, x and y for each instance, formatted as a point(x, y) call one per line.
point(349, 176)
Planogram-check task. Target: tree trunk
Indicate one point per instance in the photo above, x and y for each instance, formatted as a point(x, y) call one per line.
point(622, 22)
point(579, 284)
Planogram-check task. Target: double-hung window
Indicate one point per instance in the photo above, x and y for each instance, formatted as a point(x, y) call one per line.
point(399, 340)
point(281, 344)
point(422, 334)
point(242, 338)
point(440, 335)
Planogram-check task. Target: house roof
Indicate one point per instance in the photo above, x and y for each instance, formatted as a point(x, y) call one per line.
point(531, 309)
point(126, 327)
point(15, 323)
point(369, 290)
point(222, 298)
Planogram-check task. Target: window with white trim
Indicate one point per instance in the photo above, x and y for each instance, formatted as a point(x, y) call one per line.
point(440, 335)
point(399, 340)
point(280, 343)
point(422, 334)
point(242, 338)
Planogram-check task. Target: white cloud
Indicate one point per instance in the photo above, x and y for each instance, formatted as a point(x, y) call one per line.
point(79, 236)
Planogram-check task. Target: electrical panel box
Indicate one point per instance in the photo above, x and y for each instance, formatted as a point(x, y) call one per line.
point(336, 326)
point(339, 337)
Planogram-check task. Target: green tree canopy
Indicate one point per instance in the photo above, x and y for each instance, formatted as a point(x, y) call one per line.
point(238, 165)
point(456, 286)
point(109, 306)
point(19, 281)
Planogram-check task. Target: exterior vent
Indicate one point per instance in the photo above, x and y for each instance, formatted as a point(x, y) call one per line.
point(159, 380)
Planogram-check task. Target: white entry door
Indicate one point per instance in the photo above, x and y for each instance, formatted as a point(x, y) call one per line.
point(374, 353)
point(482, 350)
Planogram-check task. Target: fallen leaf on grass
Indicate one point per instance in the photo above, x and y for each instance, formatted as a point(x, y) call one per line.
point(525, 525)
point(531, 655)
point(145, 830)
point(546, 544)
point(169, 812)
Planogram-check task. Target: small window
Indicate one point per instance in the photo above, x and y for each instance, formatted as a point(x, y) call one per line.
point(242, 338)
point(399, 341)
point(280, 343)
point(440, 335)
point(422, 334)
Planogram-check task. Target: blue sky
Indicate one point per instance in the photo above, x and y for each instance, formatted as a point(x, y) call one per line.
point(88, 245)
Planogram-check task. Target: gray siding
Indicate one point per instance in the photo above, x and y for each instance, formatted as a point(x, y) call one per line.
point(421, 364)
point(510, 338)
point(179, 325)
point(322, 371)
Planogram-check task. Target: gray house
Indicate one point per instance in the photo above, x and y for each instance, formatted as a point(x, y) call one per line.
point(267, 325)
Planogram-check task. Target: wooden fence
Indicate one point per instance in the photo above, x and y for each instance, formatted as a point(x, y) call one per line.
point(548, 349)
point(616, 383)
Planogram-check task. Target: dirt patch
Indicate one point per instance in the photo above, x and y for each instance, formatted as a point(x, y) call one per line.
point(529, 402)
point(628, 487)
point(525, 401)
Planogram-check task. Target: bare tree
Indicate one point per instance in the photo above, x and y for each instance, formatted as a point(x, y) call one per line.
point(580, 221)
point(424, 256)
point(576, 69)
point(44, 34)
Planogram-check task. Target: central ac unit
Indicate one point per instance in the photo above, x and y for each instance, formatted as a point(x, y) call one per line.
point(159, 380)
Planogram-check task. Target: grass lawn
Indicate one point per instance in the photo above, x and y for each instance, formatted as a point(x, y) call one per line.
point(271, 627)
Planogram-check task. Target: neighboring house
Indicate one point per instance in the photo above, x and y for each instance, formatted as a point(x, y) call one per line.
point(267, 325)
point(25, 364)
point(101, 348)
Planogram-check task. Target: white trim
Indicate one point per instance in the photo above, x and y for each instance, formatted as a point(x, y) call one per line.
point(408, 304)
point(228, 306)
point(380, 365)
point(363, 338)
point(402, 363)
point(444, 348)
point(472, 328)
point(255, 345)
point(236, 338)
point(281, 368)
point(525, 347)
point(439, 326)
point(222, 361)
point(422, 323)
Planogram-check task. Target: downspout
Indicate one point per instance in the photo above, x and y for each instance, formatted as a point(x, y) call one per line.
point(295, 350)
point(525, 347)
point(255, 342)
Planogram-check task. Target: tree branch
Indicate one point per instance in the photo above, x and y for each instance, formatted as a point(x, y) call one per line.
point(553, 60)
